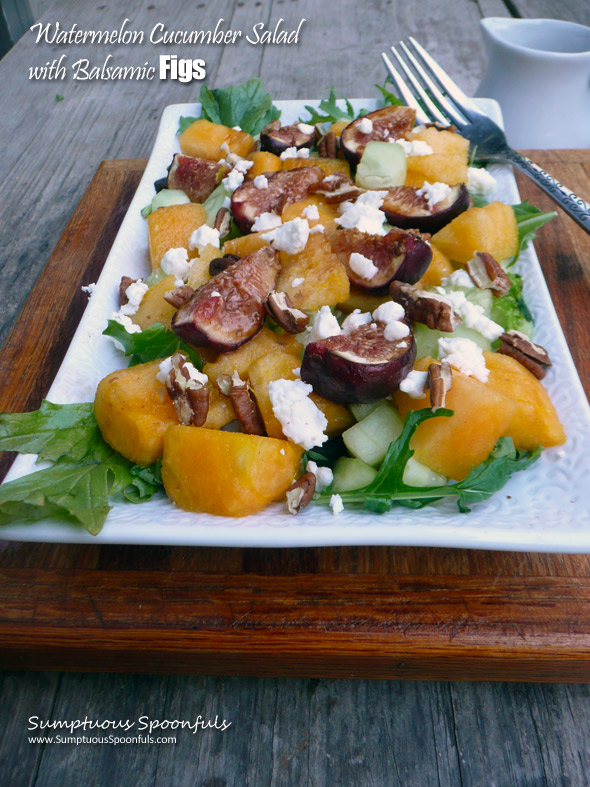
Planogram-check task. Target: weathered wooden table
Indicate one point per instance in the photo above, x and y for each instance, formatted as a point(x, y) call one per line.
point(283, 731)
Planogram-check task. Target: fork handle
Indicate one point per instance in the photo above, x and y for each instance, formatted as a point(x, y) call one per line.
point(577, 208)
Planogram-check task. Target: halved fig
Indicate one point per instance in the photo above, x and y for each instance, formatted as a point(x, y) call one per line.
point(387, 123)
point(407, 209)
point(337, 188)
point(284, 187)
point(361, 366)
point(401, 254)
point(276, 138)
point(197, 177)
point(230, 309)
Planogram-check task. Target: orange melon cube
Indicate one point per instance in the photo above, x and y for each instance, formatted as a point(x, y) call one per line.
point(328, 213)
point(446, 164)
point(153, 308)
point(240, 360)
point(226, 473)
point(452, 446)
point(491, 229)
point(171, 227)
point(358, 299)
point(329, 165)
point(244, 245)
point(324, 277)
point(339, 126)
point(279, 365)
point(535, 421)
point(203, 139)
point(264, 162)
point(439, 269)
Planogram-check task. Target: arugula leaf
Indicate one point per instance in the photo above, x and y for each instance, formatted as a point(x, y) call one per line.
point(152, 343)
point(246, 105)
point(54, 431)
point(388, 488)
point(183, 124)
point(529, 219)
point(332, 111)
point(389, 97)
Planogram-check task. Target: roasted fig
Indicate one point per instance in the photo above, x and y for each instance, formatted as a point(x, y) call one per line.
point(407, 209)
point(361, 366)
point(403, 255)
point(230, 309)
point(197, 177)
point(284, 187)
point(276, 138)
point(380, 126)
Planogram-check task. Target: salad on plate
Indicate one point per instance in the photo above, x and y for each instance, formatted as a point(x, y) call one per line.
point(329, 316)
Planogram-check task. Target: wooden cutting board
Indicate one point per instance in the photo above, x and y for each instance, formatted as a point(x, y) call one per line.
point(366, 612)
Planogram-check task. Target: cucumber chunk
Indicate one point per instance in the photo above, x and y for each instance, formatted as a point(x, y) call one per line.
point(163, 199)
point(427, 340)
point(382, 166)
point(361, 411)
point(370, 438)
point(417, 474)
point(351, 473)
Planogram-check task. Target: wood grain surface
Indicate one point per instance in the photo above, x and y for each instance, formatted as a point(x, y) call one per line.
point(375, 612)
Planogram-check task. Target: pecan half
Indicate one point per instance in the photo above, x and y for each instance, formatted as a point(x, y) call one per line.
point(532, 356)
point(126, 281)
point(188, 391)
point(300, 493)
point(429, 308)
point(223, 222)
point(244, 405)
point(439, 381)
point(281, 309)
point(328, 145)
point(219, 264)
point(488, 274)
point(179, 295)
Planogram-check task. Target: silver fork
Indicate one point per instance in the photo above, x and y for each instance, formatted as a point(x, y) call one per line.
point(435, 97)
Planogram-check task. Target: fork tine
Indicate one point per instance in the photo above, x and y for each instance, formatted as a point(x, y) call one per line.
point(403, 91)
point(462, 101)
point(444, 104)
point(432, 109)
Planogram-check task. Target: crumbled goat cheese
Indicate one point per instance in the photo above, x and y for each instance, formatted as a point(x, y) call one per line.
point(480, 183)
point(134, 293)
point(434, 193)
point(204, 236)
point(243, 165)
point(415, 148)
point(175, 262)
point(473, 316)
point(224, 148)
point(330, 179)
point(416, 129)
point(236, 128)
point(195, 375)
point(266, 221)
point(297, 371)
point(227, 203)
point(362, 266)
point(354, 320)
point(459, 278)
point(364, 214)
point(365, 126)
point(260, 182)
point(298, 281)
point(464, 355)
point(89, 288)
point(305, 128)
point(179, 283)
point(317, 230)
point(310, 213)
point(300, 418)
point(291, 237)
point(233, 179)
point(323, 475)
point(391, 313)
point(336, 504)
point(294, 153)
point(165, 369)
point(216, 294)
point(126, 322)
point(414, 384)
point(323, 326)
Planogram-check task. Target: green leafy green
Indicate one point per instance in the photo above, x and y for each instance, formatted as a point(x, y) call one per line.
point(388, 97)
point(246, 105)
point(529, 219)
point(511, 311)
point(152, 343)
point(215, 201)
point(183, 124)
point(332, 111)
point(388, 488)
point(86, 471)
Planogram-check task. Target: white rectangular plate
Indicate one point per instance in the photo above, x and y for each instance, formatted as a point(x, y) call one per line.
point(546, 508)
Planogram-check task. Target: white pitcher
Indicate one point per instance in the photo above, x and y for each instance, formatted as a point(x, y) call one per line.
point(539, 72)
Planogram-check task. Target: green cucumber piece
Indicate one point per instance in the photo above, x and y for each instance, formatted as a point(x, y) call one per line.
point(370, 438)
point(361, 411)
point(351, 473)
point(155, 276)
point(417, 474)
point(427, 340)
point(382, 166)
